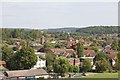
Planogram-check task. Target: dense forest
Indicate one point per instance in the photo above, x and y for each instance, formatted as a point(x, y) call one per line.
point(88, 30)
point(69, 29)
point(99, 30)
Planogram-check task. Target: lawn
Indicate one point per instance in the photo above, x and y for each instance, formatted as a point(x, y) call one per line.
point(102, 75)
point(94, 76)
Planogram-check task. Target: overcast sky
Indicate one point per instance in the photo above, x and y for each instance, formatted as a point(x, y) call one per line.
point(42, 15)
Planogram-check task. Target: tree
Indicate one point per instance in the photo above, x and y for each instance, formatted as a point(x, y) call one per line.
point(117, 64)
point(49, 45)
point(118, 45)
point(103, 65)
point(118, 57)
point(42, 57)
point(50, 58)
point(76, 69)
point(102, 62)
point(80, 50)
point(71, 68)
point(61, 65)
point(7, 55)
point(114, 45)
point(101, 56)
point(94, 48)
point(86, 66)
point(49, 68)
point(24, 59)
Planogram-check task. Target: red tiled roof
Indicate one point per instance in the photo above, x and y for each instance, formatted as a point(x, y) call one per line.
point(89, 53)
point(2, 62)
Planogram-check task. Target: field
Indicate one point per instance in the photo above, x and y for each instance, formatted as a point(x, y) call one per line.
point(95, 76)
point(102, 75)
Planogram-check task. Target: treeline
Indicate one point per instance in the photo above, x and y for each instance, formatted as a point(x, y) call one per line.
point(20, 33)
point(34, 34)
point(98, 30)
point(69, 29)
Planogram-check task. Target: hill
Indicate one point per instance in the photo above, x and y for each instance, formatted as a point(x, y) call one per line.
point(61, 30)
point(98, 30)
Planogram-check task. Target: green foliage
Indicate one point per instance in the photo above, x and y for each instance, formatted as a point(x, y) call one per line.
point(118, 57)
point(98, 30)
point(103, 44)
point(20, 33)
point(50, 57)
point(102, 62)
point(76, 69)
point(7, 53)
point(61, 65)
point(4, 69)
point(73, 55)
point(42, 57)
point(49, 45)
point(15, 48)
point(40, 78)
point(80, 50)
point(117, 64)
point(103, 65)
point(114, 45)
point(52, 45)
point(86, 66)
point(71, 68)
point(49, 68)
point(95, 49)
point(118, 45)
point(59, 46)
point(101, 56)
point(23, 59)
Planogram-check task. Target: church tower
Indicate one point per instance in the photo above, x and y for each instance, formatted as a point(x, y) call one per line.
point(42, 40)
point(68, 42)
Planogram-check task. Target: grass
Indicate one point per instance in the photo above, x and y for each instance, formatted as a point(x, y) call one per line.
point(95, 76)
point(101, 75)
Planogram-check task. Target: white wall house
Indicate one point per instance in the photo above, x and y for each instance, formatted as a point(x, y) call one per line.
point(40, 62)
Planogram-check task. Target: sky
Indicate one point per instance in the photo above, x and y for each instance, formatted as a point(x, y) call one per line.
point(58, 14)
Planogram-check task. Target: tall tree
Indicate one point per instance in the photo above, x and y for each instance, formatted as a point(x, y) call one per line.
point(7, 55)
point(117, 64)
point(102, 62)
point(100, 56)
point(114, 45)
point(80, 50)
point(86, 66)
point(25, 58)
point(61, 65)
point(103, 65)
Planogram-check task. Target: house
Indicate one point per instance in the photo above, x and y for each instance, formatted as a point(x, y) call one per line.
point(40, 61)
point(100, 48)
point(35, 44)
point(62, 52)
point(89, 54)
point(86, 43)
point(74, 61)
point(113, 55)
point(26, 74)
point(2, 64)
